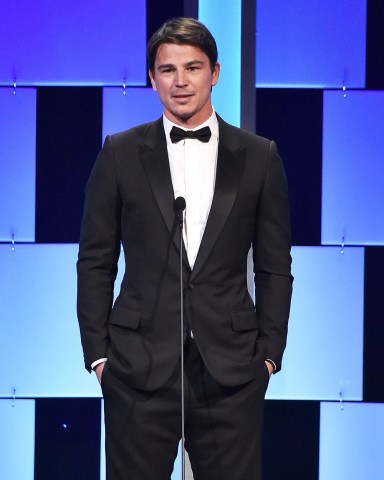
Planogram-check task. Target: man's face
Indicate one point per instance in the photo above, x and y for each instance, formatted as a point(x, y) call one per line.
point(183, 79)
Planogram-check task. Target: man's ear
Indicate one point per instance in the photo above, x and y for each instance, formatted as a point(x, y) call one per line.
point(153, 81)
point(215, 74)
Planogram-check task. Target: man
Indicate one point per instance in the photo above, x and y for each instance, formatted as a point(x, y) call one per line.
point(236, 197)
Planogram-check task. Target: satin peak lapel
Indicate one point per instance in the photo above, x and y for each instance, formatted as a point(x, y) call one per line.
point(154, 157)
point(230, 166)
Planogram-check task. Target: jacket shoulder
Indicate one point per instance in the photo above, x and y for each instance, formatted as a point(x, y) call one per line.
point(138, 133)
point(241, 137)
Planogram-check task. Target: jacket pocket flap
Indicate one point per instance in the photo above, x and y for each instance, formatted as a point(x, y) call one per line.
point(125, 317)
point(243, 321)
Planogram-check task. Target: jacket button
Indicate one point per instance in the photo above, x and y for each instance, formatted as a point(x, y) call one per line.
point(190, 286)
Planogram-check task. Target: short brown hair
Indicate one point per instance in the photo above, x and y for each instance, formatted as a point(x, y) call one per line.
point(182, 31)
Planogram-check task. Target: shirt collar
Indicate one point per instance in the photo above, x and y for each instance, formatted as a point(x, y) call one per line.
point(212, 123)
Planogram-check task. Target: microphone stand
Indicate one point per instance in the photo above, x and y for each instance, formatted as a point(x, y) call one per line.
point(179, 207)
point(182, 357)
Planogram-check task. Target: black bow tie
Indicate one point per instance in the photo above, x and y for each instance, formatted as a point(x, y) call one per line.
point(203, 134)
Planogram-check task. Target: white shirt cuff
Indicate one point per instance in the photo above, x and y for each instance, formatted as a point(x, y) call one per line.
point(96, 362)
point(273, 363)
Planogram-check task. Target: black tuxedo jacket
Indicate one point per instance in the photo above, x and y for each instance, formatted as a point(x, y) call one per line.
point(130, 200)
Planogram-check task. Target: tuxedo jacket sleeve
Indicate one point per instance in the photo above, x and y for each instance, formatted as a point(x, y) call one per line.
point(271, 259)
point(129, 201)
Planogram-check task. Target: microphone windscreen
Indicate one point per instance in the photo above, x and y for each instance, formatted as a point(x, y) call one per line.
point(179, 204)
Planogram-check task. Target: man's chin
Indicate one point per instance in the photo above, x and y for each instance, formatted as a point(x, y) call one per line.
point(183, 115)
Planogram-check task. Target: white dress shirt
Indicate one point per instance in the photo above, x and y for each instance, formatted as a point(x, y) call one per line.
point(193, 171)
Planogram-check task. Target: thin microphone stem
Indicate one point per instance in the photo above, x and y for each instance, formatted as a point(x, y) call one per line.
point(182, 354)
point(179, 207)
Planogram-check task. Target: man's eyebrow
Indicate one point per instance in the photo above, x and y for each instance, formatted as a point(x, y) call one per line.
point(193, 62)
point(165, 66)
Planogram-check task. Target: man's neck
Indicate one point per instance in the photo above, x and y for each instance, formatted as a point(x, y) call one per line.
point(188, 124)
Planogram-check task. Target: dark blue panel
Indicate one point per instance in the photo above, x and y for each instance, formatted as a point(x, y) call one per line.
point(291, 440)
point(294, 119)
point(91, 42)
point(375, 45)
point(67, 439)
point(68, 140)
point(373, 324)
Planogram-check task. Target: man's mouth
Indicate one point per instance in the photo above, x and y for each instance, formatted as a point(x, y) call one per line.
point(182, 95)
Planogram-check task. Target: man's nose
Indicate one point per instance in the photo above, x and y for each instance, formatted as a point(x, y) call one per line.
point(181, 79)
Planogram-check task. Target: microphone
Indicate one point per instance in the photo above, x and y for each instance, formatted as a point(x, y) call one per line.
point(179, 207)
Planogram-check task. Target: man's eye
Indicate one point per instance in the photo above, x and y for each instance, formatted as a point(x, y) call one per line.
point(166, 70)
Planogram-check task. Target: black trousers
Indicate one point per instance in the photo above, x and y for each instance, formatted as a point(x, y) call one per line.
point(223, 425)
